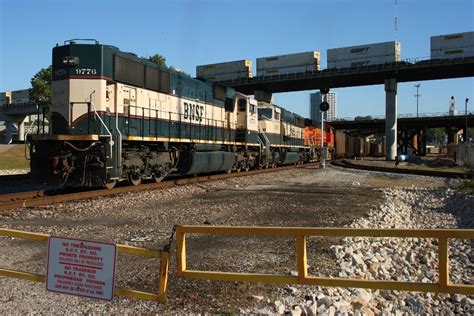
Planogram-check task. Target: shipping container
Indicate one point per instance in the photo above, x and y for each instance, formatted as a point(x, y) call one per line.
point(363, 62)
point(450, 41)
point(286, 70)
point(20, 96)
point(376, 51)
point(309, 60)
point(340, 144)
point(5, 98)
point(224, 77)
point(225, 71)
point(453, 53)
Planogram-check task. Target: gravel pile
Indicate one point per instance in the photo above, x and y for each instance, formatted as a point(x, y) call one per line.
point(400, 259)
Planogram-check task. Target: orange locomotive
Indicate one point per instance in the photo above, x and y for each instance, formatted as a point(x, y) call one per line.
point(312, 137)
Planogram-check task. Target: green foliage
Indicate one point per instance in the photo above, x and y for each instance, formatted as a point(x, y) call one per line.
point(158, 59)
point(161, 60)
point(435, 135)
point(40, 92)
point(172, 68)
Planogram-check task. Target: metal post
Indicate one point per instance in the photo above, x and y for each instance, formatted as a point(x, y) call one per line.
point(466, 140)
point(322, 160)
point(417, 95)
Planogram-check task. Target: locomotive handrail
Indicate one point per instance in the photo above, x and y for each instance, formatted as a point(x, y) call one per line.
point(111, 144)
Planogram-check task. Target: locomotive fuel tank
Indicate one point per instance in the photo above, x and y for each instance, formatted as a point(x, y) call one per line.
point(202, 162)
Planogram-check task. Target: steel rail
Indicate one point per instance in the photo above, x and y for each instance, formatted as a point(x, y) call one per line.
point(430, 173)
point(39, 198)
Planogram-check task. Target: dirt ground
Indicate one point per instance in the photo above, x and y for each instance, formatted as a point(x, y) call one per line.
point(301, 197)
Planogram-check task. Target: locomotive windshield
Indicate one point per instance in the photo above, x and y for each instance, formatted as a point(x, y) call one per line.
point(265, 113)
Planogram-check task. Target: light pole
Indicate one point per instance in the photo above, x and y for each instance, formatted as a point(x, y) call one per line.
point(417, 95)
point(467, 140)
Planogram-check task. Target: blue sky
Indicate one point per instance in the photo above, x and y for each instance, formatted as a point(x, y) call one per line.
point(190, 33)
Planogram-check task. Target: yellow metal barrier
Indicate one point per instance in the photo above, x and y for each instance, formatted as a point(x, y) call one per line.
point(301, 234)
point(163, 255)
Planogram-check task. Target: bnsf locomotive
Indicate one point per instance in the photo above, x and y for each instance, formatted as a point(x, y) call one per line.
point(117, 117)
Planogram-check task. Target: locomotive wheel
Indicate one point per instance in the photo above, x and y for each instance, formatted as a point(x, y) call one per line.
point(134, 179)
point(157, 178)
point(110, 184)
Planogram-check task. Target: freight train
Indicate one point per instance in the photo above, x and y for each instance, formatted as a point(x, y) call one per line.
point(116, 117)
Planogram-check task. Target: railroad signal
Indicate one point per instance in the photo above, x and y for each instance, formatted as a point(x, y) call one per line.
point(324, 106)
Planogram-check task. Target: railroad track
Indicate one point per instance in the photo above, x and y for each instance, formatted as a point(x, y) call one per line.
point(40, 198)
point(14, 177)
point(432, 173)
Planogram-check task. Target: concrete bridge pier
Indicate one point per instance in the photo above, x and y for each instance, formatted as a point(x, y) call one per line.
point(9, 132)
point(9, 122)
point(391, 118)
point(21, 130)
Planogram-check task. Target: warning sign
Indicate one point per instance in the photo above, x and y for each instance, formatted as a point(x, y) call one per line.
point(81, 267)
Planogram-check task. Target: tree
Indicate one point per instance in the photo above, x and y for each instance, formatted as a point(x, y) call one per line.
point(161, 60)
point(40, 92)
point(158, 59)
point(172, 68)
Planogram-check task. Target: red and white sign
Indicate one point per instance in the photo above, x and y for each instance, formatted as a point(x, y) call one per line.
point(81, 267)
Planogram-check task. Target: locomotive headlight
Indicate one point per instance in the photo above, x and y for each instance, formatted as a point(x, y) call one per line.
point(70, 61)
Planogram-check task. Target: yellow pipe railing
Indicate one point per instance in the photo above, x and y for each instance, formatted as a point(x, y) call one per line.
point(301, 234)
point(163, 255)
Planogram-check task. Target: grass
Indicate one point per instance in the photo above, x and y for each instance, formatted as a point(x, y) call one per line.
point(13, 157)
point(468, 186)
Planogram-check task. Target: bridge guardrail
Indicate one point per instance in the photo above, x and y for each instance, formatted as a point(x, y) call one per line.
point(301, 234)
point(162, 255)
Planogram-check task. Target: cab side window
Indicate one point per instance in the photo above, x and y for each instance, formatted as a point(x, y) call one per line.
point(242, 105)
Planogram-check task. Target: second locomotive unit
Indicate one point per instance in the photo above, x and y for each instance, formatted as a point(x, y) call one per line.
point(117, 117)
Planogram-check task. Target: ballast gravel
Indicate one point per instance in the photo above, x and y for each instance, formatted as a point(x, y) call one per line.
point(299, 197)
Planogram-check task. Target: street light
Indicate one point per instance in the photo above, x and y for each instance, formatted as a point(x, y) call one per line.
point(417, 95)
point(467, 140)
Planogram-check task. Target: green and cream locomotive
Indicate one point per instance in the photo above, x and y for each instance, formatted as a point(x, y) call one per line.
point(117, 117)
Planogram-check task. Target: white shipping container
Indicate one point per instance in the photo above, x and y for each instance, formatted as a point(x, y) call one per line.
point(453, 53)
point(286, 70)
point(20, 96)
point(228, 76)
point(450, 41)
point(290, 60)
point(367, 51)
point(239, 66)
point(362, 62)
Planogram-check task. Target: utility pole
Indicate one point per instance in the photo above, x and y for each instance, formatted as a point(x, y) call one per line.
point(417, 95)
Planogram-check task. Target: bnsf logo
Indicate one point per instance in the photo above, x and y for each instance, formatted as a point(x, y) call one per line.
point(193, 111)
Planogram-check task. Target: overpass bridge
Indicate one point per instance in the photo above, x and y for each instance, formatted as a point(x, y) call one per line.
point(411, 127)
point(15, 114)
point(387, 74)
